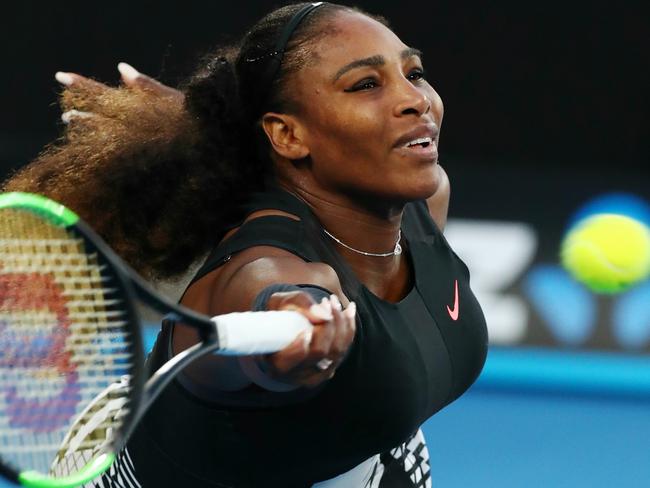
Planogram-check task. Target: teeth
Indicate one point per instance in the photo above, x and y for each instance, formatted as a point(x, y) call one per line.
point(422, 140)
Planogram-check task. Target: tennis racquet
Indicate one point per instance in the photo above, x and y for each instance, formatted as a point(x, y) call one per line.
point(71, 357)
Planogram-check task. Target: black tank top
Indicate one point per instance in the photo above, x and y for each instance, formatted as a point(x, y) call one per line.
point(408, 360)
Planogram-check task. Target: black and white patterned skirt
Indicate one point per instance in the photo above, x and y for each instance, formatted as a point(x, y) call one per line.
point(406, 466)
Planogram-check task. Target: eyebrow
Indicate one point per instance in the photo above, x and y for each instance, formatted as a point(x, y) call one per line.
point(376, 60)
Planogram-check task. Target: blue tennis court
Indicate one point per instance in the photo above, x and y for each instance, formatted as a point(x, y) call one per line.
point(547, 419)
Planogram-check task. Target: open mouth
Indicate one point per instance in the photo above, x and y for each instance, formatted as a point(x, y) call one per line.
point(421, 142)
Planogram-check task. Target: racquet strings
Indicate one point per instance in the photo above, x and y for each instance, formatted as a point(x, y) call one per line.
point(64, 345)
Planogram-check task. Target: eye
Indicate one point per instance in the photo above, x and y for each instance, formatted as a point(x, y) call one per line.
point(365, 84)
point(416, 74)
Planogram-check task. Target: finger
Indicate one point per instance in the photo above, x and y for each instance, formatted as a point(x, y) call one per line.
point(291, 360)
point(313, 376)
point(133, 78)
point(307, 375)
point(318, 313)
point(74, 79)
point(67, 117)
point(302, 302)
point(289, 300)
point(323, 335)
point(321, 365)
point(344, 335)
point(302, 376)
point(337, 327)
point(324, 364)
point(282, 362)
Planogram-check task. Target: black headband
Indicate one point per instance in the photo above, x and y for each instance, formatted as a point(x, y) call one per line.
point(287, 32)
point(274, 58)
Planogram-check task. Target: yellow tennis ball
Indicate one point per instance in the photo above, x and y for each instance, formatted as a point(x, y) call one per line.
point(607, 252)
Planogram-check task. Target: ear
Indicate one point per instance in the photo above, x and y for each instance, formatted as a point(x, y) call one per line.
point(285, 134)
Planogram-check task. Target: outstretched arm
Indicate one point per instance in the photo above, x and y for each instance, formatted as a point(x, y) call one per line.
point(236, 285)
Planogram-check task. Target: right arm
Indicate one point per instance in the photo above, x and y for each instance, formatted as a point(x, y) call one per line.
point(234, 287)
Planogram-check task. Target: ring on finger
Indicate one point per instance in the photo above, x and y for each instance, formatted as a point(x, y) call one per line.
point(323, 364)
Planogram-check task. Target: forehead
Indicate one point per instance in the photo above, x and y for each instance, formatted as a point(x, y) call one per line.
point(352, 35)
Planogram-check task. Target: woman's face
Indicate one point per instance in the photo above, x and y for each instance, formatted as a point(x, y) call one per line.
point(369, 118)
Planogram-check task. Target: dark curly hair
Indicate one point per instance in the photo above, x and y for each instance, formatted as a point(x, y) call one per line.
point(160, 178)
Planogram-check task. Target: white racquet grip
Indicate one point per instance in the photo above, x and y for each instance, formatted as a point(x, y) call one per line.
point(246, 333)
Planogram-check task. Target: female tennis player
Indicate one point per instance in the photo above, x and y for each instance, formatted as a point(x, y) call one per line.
point(304, 161)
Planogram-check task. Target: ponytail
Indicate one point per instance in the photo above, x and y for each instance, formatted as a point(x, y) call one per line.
point(161, 179)
point(154, 179)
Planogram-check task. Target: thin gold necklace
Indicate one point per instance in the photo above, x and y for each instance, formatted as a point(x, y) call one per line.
point(395, 252)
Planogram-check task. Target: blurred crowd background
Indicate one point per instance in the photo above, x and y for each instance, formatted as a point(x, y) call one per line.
point(546, 120)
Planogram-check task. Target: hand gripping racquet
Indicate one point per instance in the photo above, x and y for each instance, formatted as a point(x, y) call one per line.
point(71, 357)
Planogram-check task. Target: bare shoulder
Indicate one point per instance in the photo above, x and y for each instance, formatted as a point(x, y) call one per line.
point(438, 203)
point(234, 286)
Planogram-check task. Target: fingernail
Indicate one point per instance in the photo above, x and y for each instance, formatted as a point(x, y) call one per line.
point(351, 311)
point(326, 304)
point(320, 311)
point(336, 303)
point(66, 117)
point(127, 71)
point(63, 78)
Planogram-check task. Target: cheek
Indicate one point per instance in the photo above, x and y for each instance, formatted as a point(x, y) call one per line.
point(348, 134)
point(437, 107)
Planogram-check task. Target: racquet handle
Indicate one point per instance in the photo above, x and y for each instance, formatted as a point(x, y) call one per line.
point(246, 333)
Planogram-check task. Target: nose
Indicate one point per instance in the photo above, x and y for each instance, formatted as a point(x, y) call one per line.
point(411, 100)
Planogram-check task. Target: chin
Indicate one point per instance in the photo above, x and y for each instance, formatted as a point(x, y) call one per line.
point(399, 187)
point(424, 185)
point(422, 193)
point(420, 190)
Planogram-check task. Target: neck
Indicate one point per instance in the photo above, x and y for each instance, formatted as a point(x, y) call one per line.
point(364, 228)
point(397, 250)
